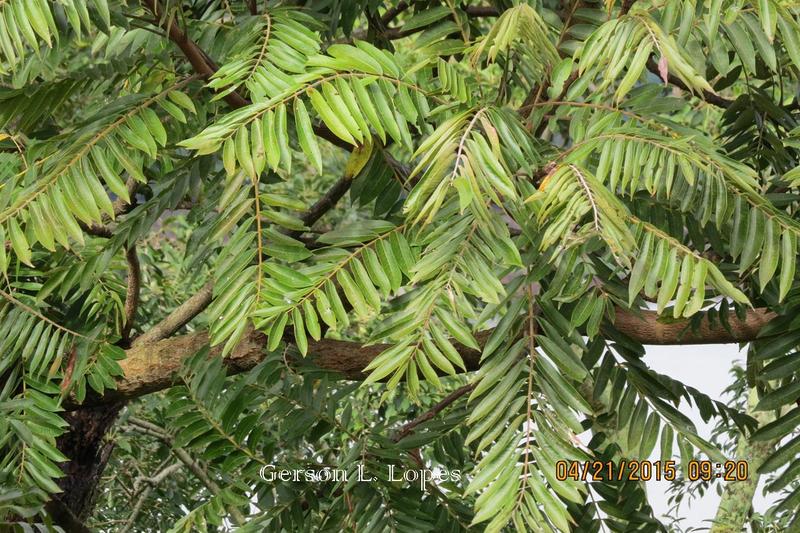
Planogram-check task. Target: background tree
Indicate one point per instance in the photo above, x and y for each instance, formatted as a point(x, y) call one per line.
point(419, 234)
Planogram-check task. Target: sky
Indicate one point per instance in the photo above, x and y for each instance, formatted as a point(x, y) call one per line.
point(704, 367)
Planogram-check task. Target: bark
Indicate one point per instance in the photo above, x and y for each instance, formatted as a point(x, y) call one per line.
point(646, 328)
point(737, 499)
point(88, 452)
point(152, 366)
point(179, 317)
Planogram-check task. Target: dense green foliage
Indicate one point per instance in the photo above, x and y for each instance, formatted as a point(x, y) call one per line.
point(518, 173)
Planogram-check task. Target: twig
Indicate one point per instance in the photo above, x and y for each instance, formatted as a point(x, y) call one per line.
point(325, 203)
point(481, 11)
point(708, 96)
point(626, 6)
point(435, 410)
point(148, 428)
point(393, 12)
point(145, 493)
point(120, 206)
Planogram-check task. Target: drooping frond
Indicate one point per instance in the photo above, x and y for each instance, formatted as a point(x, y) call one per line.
point(355, 92)
point(27, 25)
point(664, 268)
point(520, 29)
point(368, 262)
point(472, 152)
point(458, 267)
point(269, 50)
point(568, 194)
point(63, 186)
point(696, 178)
point(629, 41)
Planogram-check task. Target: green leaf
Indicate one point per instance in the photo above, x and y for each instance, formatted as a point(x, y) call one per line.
point(299, 331)
point(783, 395)
point(332, 117)
point(19, 242)
point(788, 262)
point(305, 135)
point(778, 428)
point(782, 455)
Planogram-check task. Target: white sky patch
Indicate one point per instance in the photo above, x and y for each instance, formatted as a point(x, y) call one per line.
point(704, 367)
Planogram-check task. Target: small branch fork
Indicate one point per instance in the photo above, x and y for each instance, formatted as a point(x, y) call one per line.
point(145, 492)
point(199, 60)
point(195, 305)
point(148, 428)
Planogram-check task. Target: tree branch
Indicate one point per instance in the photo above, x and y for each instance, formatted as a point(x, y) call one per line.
point(646, 328)
point(120, 206)
point(145, 493)
point(148, 428)
point(626, 6)
point(152, 366)
point(708, 96)
point(481, 11)
point(199, 60)
point(202, 299)
point(435, 410)
point(325, 203)
point(393, 12)
point(179, 317)
point(737, 496)
point(132, 293)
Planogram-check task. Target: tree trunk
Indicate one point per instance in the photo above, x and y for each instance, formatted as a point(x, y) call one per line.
point(85, 445)
point(737, 499)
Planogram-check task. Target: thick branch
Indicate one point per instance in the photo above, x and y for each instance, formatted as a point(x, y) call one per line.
point(152, 366)
point(648, 329)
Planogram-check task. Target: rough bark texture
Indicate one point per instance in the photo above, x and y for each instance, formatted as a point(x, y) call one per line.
point(152, 366)
point(648, 329)
point(737, 499)
point(88, 452)
point(179, 317)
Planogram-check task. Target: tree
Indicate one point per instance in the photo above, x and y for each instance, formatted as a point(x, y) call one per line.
point(421, 239)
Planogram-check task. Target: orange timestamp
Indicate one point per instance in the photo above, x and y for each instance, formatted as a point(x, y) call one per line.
point(650, 470)
point(609, 470)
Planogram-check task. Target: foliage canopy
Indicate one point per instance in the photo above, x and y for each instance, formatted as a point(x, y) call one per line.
point(481, 189)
